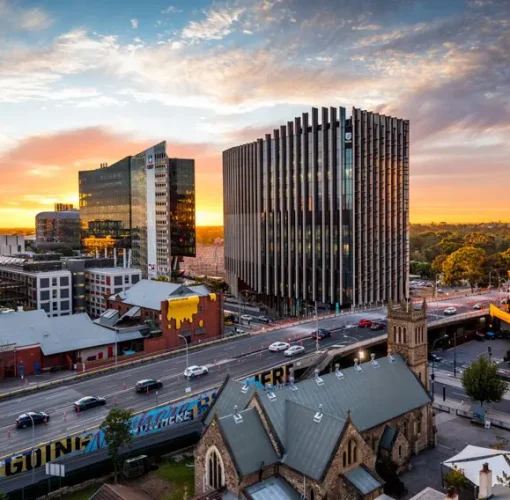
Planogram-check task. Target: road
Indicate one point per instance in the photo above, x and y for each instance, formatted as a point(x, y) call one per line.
point(231, 357)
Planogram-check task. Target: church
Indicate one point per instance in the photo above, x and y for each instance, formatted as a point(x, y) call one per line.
point(320, 438)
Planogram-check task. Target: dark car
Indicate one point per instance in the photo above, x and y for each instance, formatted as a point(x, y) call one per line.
point(480, 336)
point(433, 358)
point(321, 333)
point(35, 417)
point(88, 402)
point(377, 326)
point(265, 319)
point(148, 385)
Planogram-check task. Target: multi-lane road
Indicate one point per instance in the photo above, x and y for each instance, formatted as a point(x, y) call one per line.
point(238, 358)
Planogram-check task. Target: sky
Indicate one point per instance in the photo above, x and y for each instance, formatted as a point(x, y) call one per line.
point(89, 82)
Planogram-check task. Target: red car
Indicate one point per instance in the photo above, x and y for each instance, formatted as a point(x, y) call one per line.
point(365, 323)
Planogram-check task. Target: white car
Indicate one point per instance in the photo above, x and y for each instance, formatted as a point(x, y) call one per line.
point(477, 306)
point(294, 350)
point(195, 371)
point(246, 317)
point(279, 346)
point(450, 311)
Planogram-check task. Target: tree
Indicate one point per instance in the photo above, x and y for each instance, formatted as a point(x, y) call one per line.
point(482, 382)
point(117, 433)
point(456, 479)
point(465, 263)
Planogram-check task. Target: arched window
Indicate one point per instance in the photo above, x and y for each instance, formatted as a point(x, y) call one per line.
point(215, 477)
point(395, 334)
point(345, 459)
point(405, 334)
point(400, 451)
point(312, 494)
point(352, 452)
point(405, 429)
point(399, 334)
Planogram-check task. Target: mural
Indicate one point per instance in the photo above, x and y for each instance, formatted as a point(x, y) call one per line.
point(182, 309)
point(273, 378)
point(142, 424)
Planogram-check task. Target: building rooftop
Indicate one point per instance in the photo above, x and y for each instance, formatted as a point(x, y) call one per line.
point(149, 293)
point(273, 488)
point(59, 334)
point(113, 270)
point(309, 416)
point(66, 214)
point(363, 480)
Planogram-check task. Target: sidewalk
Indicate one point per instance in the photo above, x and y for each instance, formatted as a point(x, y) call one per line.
point(463, 409)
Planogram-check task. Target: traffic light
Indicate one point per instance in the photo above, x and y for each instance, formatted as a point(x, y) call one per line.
point(489, 349)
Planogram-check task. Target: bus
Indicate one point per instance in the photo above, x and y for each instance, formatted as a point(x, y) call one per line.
point(228, 319)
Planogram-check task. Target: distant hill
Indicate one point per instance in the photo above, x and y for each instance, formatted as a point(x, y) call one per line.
point(208, 235)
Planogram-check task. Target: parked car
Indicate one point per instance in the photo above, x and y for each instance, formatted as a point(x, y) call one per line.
point(246, 317)
point(378, 326)
point(365, 323)
point(279, 346)
point(294, 350)
point(450, 311)
point(195, 371)
point(480, 336)
point(434, 357)
point(321, 333)
point(148, 385)
point(35, 417)
point(490, 335)
point(477, 306)
point(88, 402)
point(265, 319)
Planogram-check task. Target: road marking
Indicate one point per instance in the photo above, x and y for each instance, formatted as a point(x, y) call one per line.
point(459, 394)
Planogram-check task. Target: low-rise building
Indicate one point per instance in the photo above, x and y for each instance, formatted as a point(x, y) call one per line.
point(173, 310)
point(58, 229)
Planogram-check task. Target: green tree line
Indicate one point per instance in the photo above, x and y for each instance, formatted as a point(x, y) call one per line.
point(476, 253)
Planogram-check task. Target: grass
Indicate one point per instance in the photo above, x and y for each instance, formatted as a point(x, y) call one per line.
point(84, 494)
point(180, 475)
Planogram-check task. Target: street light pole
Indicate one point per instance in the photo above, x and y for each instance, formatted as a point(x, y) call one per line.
point(316, 328)
point(187, 358)
point(33, 449)
point(434, 361)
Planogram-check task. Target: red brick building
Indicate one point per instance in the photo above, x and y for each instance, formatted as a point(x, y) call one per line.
point(172, 310)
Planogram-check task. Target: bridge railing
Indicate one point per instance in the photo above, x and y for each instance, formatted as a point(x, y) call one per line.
point(455, 318)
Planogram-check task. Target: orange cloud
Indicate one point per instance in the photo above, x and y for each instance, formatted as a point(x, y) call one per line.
point(41, 170)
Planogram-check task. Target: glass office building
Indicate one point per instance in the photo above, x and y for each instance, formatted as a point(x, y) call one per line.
point(318, 212)
point(142, 210)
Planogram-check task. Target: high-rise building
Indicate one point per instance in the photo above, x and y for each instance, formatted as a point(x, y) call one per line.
point(58, 229)
point(144, 202)
point(319, 212)
point(63, 207)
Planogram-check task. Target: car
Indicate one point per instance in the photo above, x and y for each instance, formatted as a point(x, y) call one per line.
point(88, 402)
point(434, 358)
point(195, 371)
point(148, 385)
point(364, 323)
point(239, 331)
point(450, 311)
point(294, 350)
point(265, 319)
point(321, 333)
point(246, 317)
point(35, 417)
point(378, 326)
point(279, 346)
point(490, 335)
point(480, 336)
point(477, 306)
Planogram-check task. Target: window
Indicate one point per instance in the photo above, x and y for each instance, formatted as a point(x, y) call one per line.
point(126, 279)
point(64, 281)
point(45, 283)
point(312, 494)
point(405, 429)
point(45, 295)
point(400, 451)
point(64, 293)
point(54, 294)
point(215, 477)
point(345, 459)
point(352, 452)
point(418, 424)
point(53, 281)
point(64, 305)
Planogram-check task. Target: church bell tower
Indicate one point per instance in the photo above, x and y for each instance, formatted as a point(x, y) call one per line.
point(407, 336)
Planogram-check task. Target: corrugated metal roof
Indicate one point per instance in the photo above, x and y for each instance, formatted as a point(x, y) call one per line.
point(374, 395)
point(362, 480)
point(388, 437)
point(232, 395)
point(59, 334)
point(248, 441)
point(273, 488)
point(149, 293)
point(309, 443)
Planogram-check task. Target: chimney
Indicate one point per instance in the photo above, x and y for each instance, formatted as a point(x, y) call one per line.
point(485, 490)
point(451, 494)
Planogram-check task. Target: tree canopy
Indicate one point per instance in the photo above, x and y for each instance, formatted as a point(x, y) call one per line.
point(482, 382)
point(466, 263)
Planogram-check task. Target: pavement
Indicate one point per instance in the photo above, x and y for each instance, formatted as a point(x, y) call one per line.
point(239, 358)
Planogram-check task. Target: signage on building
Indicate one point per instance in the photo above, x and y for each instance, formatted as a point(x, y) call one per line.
point(348, 137)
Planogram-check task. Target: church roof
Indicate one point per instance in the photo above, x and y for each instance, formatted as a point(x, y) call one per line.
point(248, 441)
point(363, 480)
point(377, 393)
point(388, 438)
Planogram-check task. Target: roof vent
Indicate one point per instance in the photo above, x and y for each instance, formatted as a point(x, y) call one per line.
point(318, 380)
point(357, 366)
point(374, 363)
point(244, 388)
point(272, 396)
point(238, 418)
point(293, 386)
point(46, 334)
point(392, 358)
point(318, 415)
point(339, 375)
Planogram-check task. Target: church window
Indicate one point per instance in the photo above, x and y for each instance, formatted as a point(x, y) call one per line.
point(418, 424)
point(405, 331)
point(400, 451)
point(405, 429)
point(395, 334)
point(312, 494)
point(345, 459)
point(399, 334)
point(352, 452)
point(215, 477)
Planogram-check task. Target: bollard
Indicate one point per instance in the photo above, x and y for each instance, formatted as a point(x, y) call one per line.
point(9, 432)
point(124, 386)
point(65, 416)
point(115, 400)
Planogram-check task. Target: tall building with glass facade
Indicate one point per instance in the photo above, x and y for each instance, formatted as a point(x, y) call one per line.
point(318, 212)
point(145, 203)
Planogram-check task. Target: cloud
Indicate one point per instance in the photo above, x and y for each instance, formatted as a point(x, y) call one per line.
point(171, 9)
point(216, 25)
point(134, 23)
point(15, 18)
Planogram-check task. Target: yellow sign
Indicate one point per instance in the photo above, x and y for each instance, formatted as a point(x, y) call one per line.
point(498, 313)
